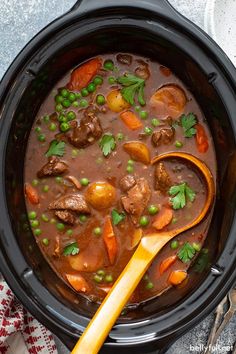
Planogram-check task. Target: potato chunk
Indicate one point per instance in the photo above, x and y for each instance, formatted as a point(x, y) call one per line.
point(138, 151)
point(100, 195)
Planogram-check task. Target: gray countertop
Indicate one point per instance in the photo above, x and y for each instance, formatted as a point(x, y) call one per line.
point(19, 22)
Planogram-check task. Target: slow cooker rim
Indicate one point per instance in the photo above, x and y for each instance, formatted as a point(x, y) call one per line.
point(17, 65)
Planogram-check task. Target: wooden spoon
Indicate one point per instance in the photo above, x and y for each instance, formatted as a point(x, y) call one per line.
point(149, 246)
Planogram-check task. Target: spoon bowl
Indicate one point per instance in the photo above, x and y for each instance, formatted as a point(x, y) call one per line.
point(149, 246)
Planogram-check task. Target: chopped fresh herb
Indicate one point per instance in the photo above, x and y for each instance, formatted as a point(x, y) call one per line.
point(117, 217)
point(202, 261)
point(107, 144)
point(187, 122)
point(186, 253)
point(56, 148)
point(132, 85)
point(179, 194)
point(71, 250)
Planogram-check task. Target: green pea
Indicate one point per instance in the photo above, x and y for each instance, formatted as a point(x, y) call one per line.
point(196, 246)
point(59, 98)
point(146, 277)
point(59, 107)
point(38, 130)
point(97, 278)
point(82, 218)
point(62, 118)
point(174, 245)
point(75, 104)
point(69, 232)
point(71, 115)
point(35, 182)
point(143, 221)
point(46, 119)
point(148, 130)
point(78, 95)
point(58, 179)
point(130, 169)
point(108, 65)
point(109, 278)
point(153, 209)
point(83, 103)
point(130, 162)
point(45, 241)
point(32, 215)
point(84, 92)
point(74, 153)
point(60, 226)
point(101, 272)
point(71, 97)
point(97, 231)
point(64, 127)
point(34, 223)
point(120, 136)
point(52, 127)
point(84, 181)
point(37, 232)
point(98, 80)
point(44, 218)
point(66, 103)
point(137, 108)
point(155, 122)
point(143, 114)
point(178, 144)
point(91, 87)
point(149, 285)
point(45, 188)
point(64, 93)
point(100, 99)
point(174, 220)
point(112, 80)
point(41, 138)
point(53, 221)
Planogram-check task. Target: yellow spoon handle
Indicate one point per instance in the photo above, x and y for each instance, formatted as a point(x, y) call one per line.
point(110, 309)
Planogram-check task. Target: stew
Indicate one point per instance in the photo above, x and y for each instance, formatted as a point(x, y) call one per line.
point(90, 188)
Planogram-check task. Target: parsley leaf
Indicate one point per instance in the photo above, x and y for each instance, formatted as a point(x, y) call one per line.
point(71, 249)
point(180, 193)
point(186, 253)
point(107, 144)
point(56, 148)
point(187, 122)
point(117, 217)
point(202, 261)
point(132, 85)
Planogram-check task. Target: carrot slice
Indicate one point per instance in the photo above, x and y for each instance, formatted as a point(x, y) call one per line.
point(166, 263)
point(138, 151)
point(177, 276)
point(81, 76)
point(163, 218)
point(169, 100)
point(31, 194)
point(131, 120)
point(78, 282)
point(110, 240)
point(201, 138)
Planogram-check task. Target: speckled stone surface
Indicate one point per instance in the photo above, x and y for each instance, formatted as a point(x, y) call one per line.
point(20, 21)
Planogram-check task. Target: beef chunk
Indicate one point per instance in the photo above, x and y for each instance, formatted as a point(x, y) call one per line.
point(88, 131)
point(125, 59)
point(137, 199)
point(127, 182)
point(53, 167)
point(162, 179)
point(71, 202)
point(142, 70)
point(66, 216)
point(164, 136)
